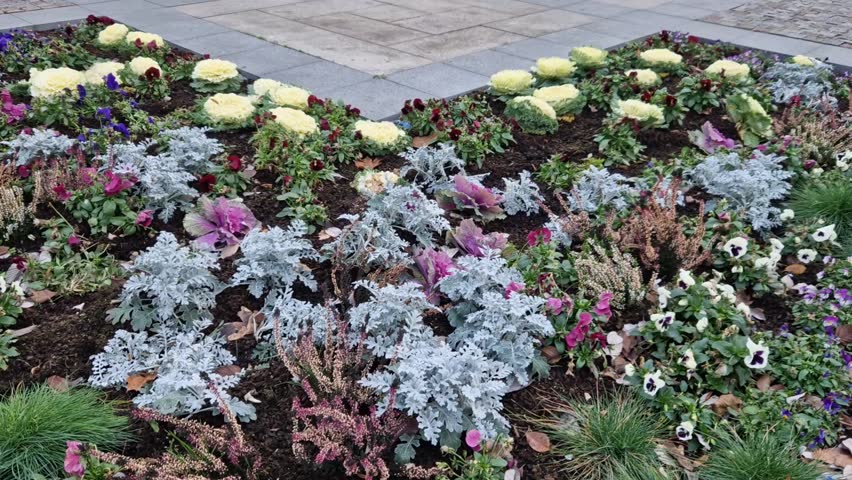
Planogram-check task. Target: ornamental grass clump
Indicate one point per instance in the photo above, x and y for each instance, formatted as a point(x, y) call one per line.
point(828, 200)
point(597, 439)
point(36, 422)
point(760, 456)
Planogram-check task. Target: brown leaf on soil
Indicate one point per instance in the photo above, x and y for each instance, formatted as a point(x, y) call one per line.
point(764, 382)
point(22, 331)
point(41, 296)
point(833, 456)
point(844, 334)
point(628, 343)
point(57, 383)
point(250, 320)
point(796, 269)
point(846, 421)
point(418, 142)
point(538, 441)
point(758, 314)
point(228, 370)
point(367, 163)
point(229, 251)
point(330, 232)
point(551, 354)
point(726, 402)
point(136, 382)
point(676, 452)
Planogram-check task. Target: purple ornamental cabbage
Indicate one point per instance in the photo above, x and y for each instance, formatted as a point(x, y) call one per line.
point(474, 196)
point(433, 265)
point(219, 223)
point(14, 112)
point(709, 138)
point(470, 239)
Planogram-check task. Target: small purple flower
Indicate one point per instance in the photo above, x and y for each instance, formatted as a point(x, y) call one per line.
point(786, 414)
point(122, 129)
point(512, 288)
point(104, 113)
point(473, 439)
point(111, 83)
point(554, 305)
point(73, 461)
point(144, 218)
point(81, 92)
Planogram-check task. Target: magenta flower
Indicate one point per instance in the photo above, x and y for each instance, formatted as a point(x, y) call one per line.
point(541, 235)
point(115, 184)
point(144, 218)
point(14, 112)
point(710, 138)
point(73, 240)
point(470, 239)
point(473, 439)
point(433, 265)
point(554, 305)
point(602, 308)
point(87, 175)
point(578, 334)
point(219, 223)
point(61, 192)
point(470, 195)
point(512, 288)
point(73, 459)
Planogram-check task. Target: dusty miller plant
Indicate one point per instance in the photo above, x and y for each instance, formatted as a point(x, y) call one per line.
point(294, 319)
point(165, 185)
point(392, 316)
point(811, 83)
point(448, 391)
point(598, 188)
point(192, 148)
point(38, 144)
point(433, 168)
point(272, 259)
point(521, 195)
point(408, 208)
point(368, 241)
point(750, 185)
point(476, 276)
point(183, 364)
point(171, 284)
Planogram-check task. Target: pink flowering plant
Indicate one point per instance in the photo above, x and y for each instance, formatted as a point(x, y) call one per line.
point(483, 459)
point(469, 194)
point(220, 223)
point(104, 202)
point(580, 329)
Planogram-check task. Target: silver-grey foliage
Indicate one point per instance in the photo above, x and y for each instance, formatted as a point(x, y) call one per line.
point(433, 168)
point(811, 83)
point(598, 188)
point(406, 207)
point(521, 195)
point(192, 147)
point(38, 144)
point(368, 241)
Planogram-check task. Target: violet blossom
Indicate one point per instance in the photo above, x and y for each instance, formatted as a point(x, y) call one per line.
point(473, 439)
point(219, 223)
point(14, 112)
point(434, 265)
point(472, 241)
point(603, 308)
point(61, 192)
point(114, 184)
point(554, 305)
point(579, 332)
point(144, 218)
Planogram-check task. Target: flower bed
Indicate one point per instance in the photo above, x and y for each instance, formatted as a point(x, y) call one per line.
point(614, 265)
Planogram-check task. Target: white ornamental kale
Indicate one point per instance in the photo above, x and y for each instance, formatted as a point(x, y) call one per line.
point(171, 284)
point(521, 195)
point(406, 207)
point(294, 318)
point(164, 183)
point(448, 391)
point(506, 330)
point(392, 317)
point(272, 260)
point(749, 185)
point(476, 276)
point(38, 144)
point(185, 364)
point(369, 241)
point(597, 188)
point(433, 168)
point(813, 84)
point(192, 149)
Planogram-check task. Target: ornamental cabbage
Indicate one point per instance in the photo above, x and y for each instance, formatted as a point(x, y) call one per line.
point(729, 69)
point(113, 34)
point(145, 38)
point(645, 77)
point(661, 56)
point(228, 108)
point(588, 56)
point(511, 82)
point(554, 68)
point(219, 223)
point(215, 71)
point(96, 73)
point(289, 96)
point(140, 65)
point(641, 111)
point(54, 81)
point(261, 86)
point(295, 121)
point(381, 133)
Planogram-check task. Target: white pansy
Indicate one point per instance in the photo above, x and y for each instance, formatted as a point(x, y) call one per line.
point(777, 245)
point(787, 214)
point(702, 324)
point(663, 294)
point(663, 320)
point(684, 431)
point(653, 382)
point(806, 255)
point(736, 247)
point(629, 370)
point(687, 359)
point(824, 234)
point(685, 280)
point(758, 355)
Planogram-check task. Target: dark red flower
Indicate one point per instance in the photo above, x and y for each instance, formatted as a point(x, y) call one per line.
point(406, 109)
point(693, 39)
point(314, 100)
point(646, 97)
point(541, 235)
point(287, 180)
point(235, 162)
point(664, 35)
point(635, 87)
point(69, 30)
point(355, 112)
point(61, 192)
point(706, 84)
point(138, 43)
point(358, 135)
point(671, 101)
point(455, 134)
point(419, 105)
point(24, 171)
point(92, 20)
point(106, 20)
point(114, 184)
point(19, 262)
point(152, 73)
point(206, 182)
point(598, 337)
point(436, 115)
point(323, 125)
point(317, 165)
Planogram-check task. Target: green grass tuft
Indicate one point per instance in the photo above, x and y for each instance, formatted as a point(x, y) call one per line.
point(829, 200)
point(36, 422)
point(602, 439)
point(756, 457)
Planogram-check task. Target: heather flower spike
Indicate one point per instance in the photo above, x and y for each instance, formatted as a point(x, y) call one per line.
point(219, 223)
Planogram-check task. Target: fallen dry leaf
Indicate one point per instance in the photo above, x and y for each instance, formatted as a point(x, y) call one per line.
point(726, 402)
point(538, 441)
point(551, 354)
point(330, 232)
point(675, 452)
point(250, 320)
point(136, 382)
point(757, 313)
point(844, 334)
point(796, 269)
point(22, 331)
point(419, 142)
point(833, 456)
point(79, 307)
point(60, 384)
point(764, 382)
point(367, 163)
point(228, 370)
point(229, 251)
point(41, 296)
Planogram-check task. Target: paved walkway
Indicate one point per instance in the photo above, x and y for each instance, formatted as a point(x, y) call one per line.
point(377, 53)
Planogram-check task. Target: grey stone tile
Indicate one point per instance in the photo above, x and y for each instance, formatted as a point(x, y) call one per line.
point(455, 44)
point(776, 43)
point(363, 28)
point(224, 7)
point(624, 29)
point(268, 59)
point(542, 23)
point(712, 31)
point(453, 20)
point(439, 80)
point(53, 15)
point(431, 6)
point(717, 5)
point(534, 49)
point(11, 21)
point(321, 76)
point(514, 7)
point(837, 55)
point(88, 2)
point(555, 3)
point(175, 27)
point(320, 7)
point(377, 98)
point(488, 62)
point(683, 11)
point(174, 3)
point(636, 3)
point(577, 37)
point(220, 44)
point(646, 17)
point(598, 8)
point(121, 9)
point(388, 13)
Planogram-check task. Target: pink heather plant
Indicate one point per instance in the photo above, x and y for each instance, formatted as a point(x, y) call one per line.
point(469, 195)
point(709, 138)
point(337, 418)
point(220, 223)
point(471, 240)
point(433, 265)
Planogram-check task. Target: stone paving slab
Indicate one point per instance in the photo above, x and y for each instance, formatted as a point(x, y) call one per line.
point(456, 19)
point(487, 62)
point(13, 6)
point(377, 98)
point(542, 23)
point(439, 79)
